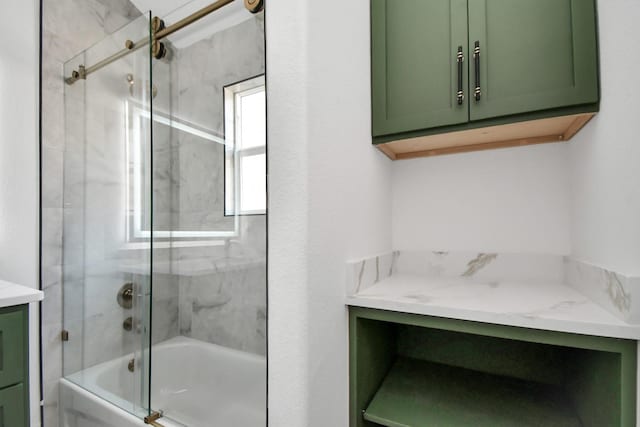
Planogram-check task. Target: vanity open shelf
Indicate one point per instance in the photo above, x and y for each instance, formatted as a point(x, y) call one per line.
point(422, 394)
point(409, 370)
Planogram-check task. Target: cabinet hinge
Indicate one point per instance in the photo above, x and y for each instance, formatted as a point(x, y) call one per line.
point(64, 335)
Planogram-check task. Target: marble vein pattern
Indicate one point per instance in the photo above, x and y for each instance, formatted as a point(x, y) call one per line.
point(483, 267)
point(226, 308)
point(533, 290)
point(365, 273)
point(222, 290)
point(616, 292)
point(199, 78)
point(488, 268)
point(538, 305)
point(478, 263)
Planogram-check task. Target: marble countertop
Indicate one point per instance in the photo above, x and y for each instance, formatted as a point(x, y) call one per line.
point(538, 305)
point(13, 294)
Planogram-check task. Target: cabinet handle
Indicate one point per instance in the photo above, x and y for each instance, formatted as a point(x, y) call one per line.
point(476, 58)
point(460, 61)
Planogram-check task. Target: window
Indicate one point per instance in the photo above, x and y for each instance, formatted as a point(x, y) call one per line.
point(245, 147)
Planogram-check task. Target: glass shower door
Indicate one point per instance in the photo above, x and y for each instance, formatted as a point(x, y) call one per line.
point(165, 225)
point(209, 221)
point(107, 254)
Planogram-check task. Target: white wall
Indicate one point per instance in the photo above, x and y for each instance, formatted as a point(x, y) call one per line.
point(581, 198)
point(331, 193)
point(605, 156)
point(328, 201)
point(287, 220)
point(508, 200)
point(19, 145)
point(19, 208)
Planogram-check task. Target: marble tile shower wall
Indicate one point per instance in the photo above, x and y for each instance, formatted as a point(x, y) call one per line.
point(202, 71)
point(228, 306)
point(69, 26)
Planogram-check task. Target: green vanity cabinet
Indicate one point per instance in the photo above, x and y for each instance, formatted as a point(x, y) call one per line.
point(13, 408)
point(14, 380)
point(419, 371)
point(440, 67)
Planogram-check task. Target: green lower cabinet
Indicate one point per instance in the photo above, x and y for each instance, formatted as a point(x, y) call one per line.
point(13, 325)
point(14, 378)
point(13, 408)
point(417, 371)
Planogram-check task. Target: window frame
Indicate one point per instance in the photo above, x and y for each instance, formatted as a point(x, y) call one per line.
point(232, 157)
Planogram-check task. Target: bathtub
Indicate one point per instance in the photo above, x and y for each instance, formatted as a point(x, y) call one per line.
point(193, 383)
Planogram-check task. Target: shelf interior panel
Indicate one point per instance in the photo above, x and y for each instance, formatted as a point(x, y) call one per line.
point(424, 394)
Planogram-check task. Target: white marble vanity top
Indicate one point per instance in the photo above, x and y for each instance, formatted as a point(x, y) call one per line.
point(13, 294)
point(542, 305)
point(539, 291)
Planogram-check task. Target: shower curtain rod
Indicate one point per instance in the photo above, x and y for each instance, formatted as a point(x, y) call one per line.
point(158, 33)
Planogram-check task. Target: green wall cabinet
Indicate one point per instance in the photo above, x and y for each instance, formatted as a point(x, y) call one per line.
point(412, 63)
point(535, 55)
point(445, 66)
point(14, 379)
point(420, 371)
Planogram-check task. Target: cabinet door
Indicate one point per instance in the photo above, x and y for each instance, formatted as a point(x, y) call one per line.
point(534, 55)
point(12, 407)
point(414, 45)
point(12, 345)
